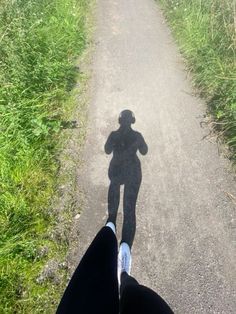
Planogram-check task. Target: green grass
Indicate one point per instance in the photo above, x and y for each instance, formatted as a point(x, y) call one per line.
point(206, 33)
point(39, 42)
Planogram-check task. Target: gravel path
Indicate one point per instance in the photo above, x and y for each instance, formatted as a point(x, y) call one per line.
point(185, 237)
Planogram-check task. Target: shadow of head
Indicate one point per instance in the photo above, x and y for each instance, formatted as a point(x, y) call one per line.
point(126, 118)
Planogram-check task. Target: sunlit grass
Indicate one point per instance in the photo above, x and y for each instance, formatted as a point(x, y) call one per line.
point(39, 41)
point(206, 33)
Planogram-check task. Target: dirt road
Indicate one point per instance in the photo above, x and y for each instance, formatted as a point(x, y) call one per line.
point(185, 237)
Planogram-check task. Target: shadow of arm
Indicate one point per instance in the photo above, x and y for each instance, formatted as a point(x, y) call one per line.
point(109, 145)
point(142, 147)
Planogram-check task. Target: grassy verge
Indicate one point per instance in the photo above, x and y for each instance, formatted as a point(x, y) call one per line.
point(39, 41)
point(206, 33)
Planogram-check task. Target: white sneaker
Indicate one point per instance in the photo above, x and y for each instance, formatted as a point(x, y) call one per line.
point(112, 226)
point(124, 260)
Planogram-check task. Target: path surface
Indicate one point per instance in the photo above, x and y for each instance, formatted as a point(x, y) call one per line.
point(184, 246)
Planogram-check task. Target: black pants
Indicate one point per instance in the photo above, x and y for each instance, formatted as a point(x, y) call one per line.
point(93, 288)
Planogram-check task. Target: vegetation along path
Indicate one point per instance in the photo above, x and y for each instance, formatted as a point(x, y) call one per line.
point(184, 247)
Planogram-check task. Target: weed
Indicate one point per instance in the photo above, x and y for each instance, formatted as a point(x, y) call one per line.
point(206, 33)
point(39, 41)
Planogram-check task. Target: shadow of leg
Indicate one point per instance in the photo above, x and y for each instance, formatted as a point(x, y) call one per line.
point(129, 222)
point(113, 201)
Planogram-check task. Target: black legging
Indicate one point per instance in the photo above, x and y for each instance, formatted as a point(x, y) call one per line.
point(93, 288)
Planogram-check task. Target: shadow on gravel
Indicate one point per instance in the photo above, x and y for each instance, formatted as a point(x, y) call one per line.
point(69, 124)
point(125, 169)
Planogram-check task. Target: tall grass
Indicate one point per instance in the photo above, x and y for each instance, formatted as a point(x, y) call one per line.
point(39, 41)
point(206, 32)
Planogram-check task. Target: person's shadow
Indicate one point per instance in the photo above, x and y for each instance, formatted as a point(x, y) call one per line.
point(125, 169)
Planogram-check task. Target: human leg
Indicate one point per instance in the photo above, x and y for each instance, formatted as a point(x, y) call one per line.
point(138, 299)
point(126, 280)
point(93, 287)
